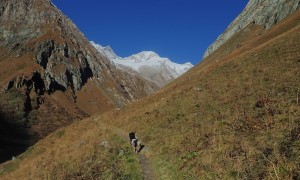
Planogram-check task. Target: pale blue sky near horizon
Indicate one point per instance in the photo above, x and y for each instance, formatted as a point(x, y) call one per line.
point(180, 30)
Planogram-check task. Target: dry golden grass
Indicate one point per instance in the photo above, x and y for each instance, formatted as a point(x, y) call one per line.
point(235, 117)
point(84, 150)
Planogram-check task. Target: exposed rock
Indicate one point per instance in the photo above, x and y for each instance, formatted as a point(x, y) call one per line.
point(43, 52)
point(20, 82)
point(19, 49)
point(60, 67)
point(40, 100)
point(9, 85)
point(261, 12)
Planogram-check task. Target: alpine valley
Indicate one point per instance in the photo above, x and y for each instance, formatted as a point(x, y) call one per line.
point(67, 107)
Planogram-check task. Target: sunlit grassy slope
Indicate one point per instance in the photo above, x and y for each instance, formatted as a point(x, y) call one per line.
point(235, 115)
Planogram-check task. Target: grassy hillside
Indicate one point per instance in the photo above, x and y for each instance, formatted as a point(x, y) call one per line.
point(84, 150)
point(234, 116)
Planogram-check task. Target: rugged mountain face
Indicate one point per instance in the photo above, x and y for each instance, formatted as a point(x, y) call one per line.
point(50, 74)
point(148, 64)
point(61, 50)
point(260, 12)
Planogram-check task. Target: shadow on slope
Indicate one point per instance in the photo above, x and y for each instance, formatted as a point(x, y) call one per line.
point(14, 137)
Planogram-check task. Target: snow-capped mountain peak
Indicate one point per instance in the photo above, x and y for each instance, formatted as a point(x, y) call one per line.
point(148, 64)
point(144, 56)
point(107, 51)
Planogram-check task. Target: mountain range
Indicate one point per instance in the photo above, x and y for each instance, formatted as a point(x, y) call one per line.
point(148, 64)
point(235, 115)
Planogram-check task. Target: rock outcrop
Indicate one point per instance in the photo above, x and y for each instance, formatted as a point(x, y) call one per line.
point(56, 60)
point(261, 12)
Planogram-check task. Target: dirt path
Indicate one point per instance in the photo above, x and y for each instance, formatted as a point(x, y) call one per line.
point(146, 167)
point(148, 173)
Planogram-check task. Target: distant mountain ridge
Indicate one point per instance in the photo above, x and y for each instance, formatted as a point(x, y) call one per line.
point(148, 64)
point(260, 12)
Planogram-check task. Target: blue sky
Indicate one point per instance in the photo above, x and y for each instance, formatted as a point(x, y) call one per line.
point(178, 29)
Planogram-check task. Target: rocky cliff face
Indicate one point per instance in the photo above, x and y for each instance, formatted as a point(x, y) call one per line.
point(54, 70)
point(260, 12)
point(66, 58)
point(60, 50)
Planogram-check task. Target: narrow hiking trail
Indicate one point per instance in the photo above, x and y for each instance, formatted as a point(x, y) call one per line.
point(147, 171)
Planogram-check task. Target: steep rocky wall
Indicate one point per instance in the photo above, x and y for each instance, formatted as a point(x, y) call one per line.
point(66, 58)
point(64, 66)
point(14, 13)
point(261, 12)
